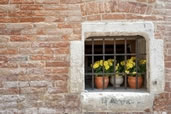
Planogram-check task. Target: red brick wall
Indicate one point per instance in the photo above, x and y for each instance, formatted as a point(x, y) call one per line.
point(34, 48)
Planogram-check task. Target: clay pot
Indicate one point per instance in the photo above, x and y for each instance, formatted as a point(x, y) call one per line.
point(132, 81)
point(99, 82)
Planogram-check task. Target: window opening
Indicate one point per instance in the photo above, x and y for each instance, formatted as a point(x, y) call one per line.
point(112, 57)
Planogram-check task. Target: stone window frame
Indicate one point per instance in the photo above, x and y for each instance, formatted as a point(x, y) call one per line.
point(118, 101)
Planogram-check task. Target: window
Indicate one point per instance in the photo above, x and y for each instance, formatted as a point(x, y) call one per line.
point(106, 100)
point(105, 58)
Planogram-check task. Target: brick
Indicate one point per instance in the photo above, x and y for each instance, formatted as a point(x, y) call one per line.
point(57, 70)
point(108, 7)
point(22, 1)
point(8, 51)
point(151, 1)
point(11, 84)
point(1, 84)
point(23, 83)
point(122, 6)
point(149, 10)
point(74, 19)
point(56, 77)
point(17, 38)
point(3, 58)
point(57, 90)
point(72, 103)
point(18, 44)
point(70, 1)
point(49, 38)
point(54, 45)
point(113, 16)
point(9, 20)
point(4, 39)
point(9, 91)
point(47, 1)
point(47, 111)
point(8, 65)
point(32, 65)
point(32, 19)
point(39, 84)
point(20, 13)
point(94, 18)
point(83, 9)
point(45, 13)
point(92, 8)
point(4, 1)
point(27, 51)
point(61, 51)
point(41, 57)
point(17, 58)
point(3, 45)
point(31, 7)
point(57, 64)
point(32, 90)
point(16, 29)
point(141, 0)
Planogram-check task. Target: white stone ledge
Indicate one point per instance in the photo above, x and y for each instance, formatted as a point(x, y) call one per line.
point(116, 101)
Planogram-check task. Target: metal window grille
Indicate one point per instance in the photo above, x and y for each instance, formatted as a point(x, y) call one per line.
point(91, 56)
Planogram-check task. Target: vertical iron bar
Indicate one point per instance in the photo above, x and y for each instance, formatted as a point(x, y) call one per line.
point(92, 63)
point(103, 60)
point(136, 63)
point(125, 62)
point(114, 49)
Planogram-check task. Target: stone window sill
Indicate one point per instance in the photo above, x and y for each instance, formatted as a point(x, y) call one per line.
point(116, 101)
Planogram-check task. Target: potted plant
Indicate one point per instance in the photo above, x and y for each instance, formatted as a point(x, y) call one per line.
point(100, 67)
point(118, 77)
point(131, 71)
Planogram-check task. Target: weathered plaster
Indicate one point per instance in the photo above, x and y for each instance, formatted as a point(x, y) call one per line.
point(155, 59)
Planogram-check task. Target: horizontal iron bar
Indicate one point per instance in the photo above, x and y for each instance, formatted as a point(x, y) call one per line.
point(113, 54)
point(110, 73)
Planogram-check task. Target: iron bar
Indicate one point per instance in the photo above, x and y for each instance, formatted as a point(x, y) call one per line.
point(103, 60)
point(125, 62)
point(114, 49)
point(136, 63)
point(128, 54)
point(93, 63)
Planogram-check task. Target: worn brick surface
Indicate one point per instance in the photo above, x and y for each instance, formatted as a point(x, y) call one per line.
point(35, 39)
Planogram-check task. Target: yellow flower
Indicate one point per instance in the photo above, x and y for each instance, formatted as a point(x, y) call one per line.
point(117, 66)
point(127, 72)
point(129, 65)
point(107, 67)
point(105, 63)
point(134, 73)
point(111, 60)
point(101, 62)
point(133, 58)
point(110, 63)
point(96, 65)
point(123, 63)
point(142, 61)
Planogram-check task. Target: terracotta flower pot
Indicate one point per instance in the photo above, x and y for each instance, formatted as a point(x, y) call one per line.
point(132, 81)
point(99, 82)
